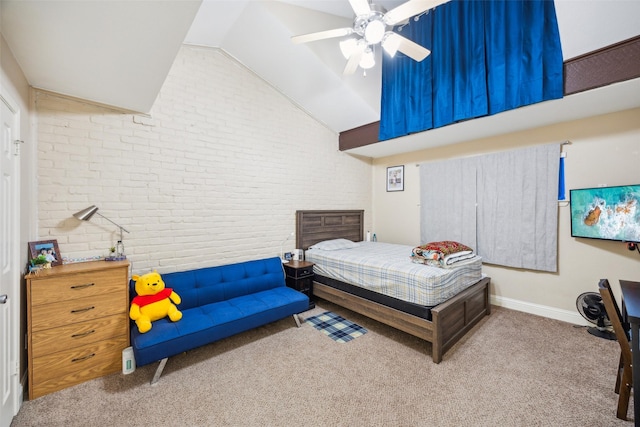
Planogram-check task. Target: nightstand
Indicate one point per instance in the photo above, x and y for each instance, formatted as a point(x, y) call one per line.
point(299, 276)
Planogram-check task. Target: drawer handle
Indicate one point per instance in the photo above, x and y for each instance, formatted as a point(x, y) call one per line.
point(86, 285)
point(84, 334)
point(80, 359)
point(82, 310)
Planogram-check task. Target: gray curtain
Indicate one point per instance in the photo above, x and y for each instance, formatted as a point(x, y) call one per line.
point(504, 205)
point(518, 207)
point(448, 201)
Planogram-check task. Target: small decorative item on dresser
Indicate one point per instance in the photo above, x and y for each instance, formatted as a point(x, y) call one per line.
point(47, 249)
point(38, 263)
point(116, 253)
point(120, 249)
point(299, 276)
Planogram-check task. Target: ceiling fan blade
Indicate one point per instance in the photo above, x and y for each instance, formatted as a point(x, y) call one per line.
point(360, 7)
point(321, 35)
point(354, 59)
point(409, 9)
point(394, 42)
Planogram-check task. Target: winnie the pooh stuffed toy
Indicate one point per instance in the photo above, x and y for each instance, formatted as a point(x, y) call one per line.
point(153, 301)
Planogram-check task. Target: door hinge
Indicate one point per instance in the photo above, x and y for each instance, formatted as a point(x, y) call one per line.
point(16, 149)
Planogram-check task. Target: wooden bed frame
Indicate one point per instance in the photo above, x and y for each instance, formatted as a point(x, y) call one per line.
point(449, 320)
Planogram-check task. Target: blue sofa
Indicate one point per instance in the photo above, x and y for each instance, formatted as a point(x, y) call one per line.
point(217, 302)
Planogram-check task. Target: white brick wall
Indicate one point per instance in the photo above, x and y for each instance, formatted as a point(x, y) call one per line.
point(213, 175)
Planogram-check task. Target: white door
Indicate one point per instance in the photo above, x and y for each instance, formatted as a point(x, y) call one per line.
point(9, 261)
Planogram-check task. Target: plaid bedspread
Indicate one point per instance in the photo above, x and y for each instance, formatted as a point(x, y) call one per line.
point(387, 269)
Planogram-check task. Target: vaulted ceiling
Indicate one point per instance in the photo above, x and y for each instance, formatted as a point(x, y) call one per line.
point(119, 53)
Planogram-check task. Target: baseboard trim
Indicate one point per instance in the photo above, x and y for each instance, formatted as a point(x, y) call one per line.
point(22, 385)
point(540, 310)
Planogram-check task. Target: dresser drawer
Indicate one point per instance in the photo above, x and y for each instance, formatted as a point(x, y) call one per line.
point(74, 286)
point(70, 367)
point(77, 310)
point(53, 340)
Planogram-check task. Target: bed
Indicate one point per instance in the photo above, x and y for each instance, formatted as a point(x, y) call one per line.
point(442, 324)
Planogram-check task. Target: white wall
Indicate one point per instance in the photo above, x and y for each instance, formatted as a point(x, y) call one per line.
point(604, 150)
point(214, 175)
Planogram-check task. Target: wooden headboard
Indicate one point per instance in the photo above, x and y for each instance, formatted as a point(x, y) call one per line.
point(315, 226)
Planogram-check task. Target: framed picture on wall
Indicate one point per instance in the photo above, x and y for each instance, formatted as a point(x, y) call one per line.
point(48, 248)
point(395, 178)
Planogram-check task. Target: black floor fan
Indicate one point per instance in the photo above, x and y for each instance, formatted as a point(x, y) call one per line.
point(591, 307)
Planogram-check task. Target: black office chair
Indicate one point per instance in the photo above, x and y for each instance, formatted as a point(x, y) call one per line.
point(624, 380)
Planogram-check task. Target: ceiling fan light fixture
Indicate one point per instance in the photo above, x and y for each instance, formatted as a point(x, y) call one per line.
point(374, 31)
point(368, 60)
point(348, 47)
point(370, 28)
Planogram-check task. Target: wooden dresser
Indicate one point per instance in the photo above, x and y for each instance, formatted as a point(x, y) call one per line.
point(77, 324)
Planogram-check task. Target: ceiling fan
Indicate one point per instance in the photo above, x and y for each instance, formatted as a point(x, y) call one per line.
point(371, 24)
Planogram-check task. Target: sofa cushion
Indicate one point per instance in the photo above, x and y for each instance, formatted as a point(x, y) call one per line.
point(213, 284)
point(215, 321)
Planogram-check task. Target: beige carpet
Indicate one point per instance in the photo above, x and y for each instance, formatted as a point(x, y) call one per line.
point(513, 369)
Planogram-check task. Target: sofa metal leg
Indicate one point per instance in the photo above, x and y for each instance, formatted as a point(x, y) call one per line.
point(297, 319)
point(159, 370)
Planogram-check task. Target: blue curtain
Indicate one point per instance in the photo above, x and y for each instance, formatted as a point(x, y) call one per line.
point(486, 57)
point(459, 71)
point(401, 68)
point(562, 195)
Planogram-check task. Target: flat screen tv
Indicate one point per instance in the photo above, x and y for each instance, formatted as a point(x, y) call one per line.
point(609, 213)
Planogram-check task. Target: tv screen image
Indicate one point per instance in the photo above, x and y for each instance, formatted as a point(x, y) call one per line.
point(609, 213)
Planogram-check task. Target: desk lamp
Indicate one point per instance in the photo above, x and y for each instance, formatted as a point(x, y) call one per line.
point(86, 214)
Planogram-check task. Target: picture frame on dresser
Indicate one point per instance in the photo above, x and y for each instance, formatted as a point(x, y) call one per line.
point(49, 248)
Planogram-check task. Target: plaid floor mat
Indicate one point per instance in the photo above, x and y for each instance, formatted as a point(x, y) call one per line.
point(336, 327)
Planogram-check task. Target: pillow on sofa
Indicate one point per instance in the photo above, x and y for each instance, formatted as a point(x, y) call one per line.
point(335, 244)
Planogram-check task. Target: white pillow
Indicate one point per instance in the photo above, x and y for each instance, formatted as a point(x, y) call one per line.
point(335, 244)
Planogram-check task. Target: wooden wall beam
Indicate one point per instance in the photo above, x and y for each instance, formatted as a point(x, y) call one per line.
point(612, 64)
